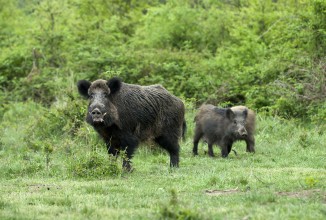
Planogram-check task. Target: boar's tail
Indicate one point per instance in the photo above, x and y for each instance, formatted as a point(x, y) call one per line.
point(184, 129)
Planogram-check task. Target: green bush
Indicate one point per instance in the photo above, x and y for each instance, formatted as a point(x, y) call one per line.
point(95, 165)
point(265, 54)
point(60, 121)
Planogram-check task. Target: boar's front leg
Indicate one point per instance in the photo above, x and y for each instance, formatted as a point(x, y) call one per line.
point(113, 147)
point(225, 152)
point(250, 141)
point(129, 145)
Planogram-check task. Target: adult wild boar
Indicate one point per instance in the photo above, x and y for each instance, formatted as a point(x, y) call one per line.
point(224, 126)
point(125, 115)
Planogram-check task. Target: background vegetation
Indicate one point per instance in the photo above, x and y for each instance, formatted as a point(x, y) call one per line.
point(268, 55)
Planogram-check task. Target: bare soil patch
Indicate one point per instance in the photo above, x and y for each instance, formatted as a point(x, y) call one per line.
point(304, 194)
point(39, 187)
point(217, 192)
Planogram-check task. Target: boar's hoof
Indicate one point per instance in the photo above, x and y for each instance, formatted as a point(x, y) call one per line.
point(225, 155)
point(127, 166)
point(251, 150)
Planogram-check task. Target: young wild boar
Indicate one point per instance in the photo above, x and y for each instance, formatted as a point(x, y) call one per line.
point(126, 114)
point(224, 126)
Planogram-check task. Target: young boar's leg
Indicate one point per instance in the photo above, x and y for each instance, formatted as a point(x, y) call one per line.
point(250, 141)
point(225, 152)
point(210, 150)
point(197, 137)
point(226, 148)
point(172, 147)
point(229, 148)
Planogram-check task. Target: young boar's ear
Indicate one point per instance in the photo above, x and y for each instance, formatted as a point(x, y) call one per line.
point(114, 84)
point(230, 114)
point(83, 86)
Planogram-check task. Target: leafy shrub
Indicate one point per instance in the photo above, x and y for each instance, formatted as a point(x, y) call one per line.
point(14, 66)
point(60, 121)
point(95, 165)
point(265, 54)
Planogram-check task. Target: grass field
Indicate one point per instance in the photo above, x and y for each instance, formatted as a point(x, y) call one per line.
point(72, 177)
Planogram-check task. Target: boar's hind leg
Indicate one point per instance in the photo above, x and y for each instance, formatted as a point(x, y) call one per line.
point(210, 150)
point(250, 141)
point(172, 147)
point(197, 137)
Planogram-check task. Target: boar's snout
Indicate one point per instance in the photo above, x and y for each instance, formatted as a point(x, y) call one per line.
point(97, 115)
point(96, 112)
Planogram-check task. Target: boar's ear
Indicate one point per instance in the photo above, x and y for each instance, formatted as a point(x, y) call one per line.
point(245, 113)
point(230, 114)
point(114, 84)
point(83, 86)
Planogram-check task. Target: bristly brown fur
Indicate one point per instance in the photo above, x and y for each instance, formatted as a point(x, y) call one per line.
point(251, 118)
point(220, 126)
point(135, 113)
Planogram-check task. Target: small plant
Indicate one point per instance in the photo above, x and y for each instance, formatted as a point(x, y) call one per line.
point(174, 210)
point(48, 149)
point(311, 181)
point(243, 181)
point(213, 181)
point(46, 146)
point(3, 204)
point(304, 140)
point(174, 197)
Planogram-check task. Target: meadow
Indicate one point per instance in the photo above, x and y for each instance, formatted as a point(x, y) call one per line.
point(74, 177)
point(267, 55)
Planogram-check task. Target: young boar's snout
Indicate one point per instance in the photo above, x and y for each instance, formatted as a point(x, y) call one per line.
point(243, 132)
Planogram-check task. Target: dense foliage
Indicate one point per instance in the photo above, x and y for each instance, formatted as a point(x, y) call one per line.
point(269, 55)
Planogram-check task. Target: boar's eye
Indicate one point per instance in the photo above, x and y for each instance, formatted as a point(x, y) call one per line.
point(106, 95)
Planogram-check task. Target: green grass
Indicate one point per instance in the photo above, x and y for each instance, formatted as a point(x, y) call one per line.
point(284, 179)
